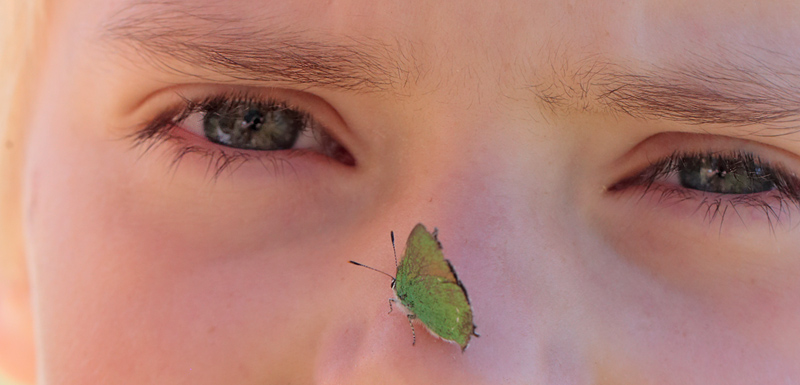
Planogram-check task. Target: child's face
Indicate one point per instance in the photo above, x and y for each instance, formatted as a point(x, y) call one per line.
point(616, 186)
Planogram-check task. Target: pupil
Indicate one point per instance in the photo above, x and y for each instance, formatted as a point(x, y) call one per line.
point(253, 120)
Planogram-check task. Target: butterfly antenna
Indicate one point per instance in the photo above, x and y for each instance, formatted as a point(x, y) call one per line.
point(374, 269)
point(393, 249)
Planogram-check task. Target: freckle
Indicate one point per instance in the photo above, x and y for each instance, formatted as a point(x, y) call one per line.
point(9, 144)
point(212, 329)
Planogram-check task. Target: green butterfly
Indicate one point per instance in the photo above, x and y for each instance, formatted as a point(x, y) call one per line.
point(427, 288)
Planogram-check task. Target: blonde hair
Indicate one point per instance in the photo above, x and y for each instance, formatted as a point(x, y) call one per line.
point(19, 24)
point(18, 19)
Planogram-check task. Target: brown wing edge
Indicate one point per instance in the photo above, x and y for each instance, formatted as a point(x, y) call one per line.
point(464, 289)
point(435, 234)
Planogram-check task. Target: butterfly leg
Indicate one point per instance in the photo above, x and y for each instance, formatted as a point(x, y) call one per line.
point(390, 305)
point(413, 333)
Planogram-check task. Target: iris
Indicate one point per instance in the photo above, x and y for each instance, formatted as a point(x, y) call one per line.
point(725, 175)
point(253, 126)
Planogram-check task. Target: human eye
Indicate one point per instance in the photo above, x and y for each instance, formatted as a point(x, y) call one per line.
point(233, 127)
point(719, 178)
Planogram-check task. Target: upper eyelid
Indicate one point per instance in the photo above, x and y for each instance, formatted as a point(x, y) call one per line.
point(659, 146)
point(179, 96)
point(236, 98)
point(177, 101)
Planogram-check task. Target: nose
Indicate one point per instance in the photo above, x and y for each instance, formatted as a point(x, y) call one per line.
point(507, 225)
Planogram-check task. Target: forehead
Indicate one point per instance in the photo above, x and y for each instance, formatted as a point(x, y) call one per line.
point(496, 50)
point(501, 31)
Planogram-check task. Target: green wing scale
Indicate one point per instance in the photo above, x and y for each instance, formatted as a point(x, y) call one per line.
point(428, 287)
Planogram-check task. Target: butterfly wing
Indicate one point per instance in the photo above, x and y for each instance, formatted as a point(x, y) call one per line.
point(427, 286)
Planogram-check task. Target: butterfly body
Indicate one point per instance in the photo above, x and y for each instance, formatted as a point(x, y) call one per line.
point(428, 289)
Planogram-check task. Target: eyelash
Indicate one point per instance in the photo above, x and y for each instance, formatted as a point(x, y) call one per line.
point(773, 202)
point(162, 129)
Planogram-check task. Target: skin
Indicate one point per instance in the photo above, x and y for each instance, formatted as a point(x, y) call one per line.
point(141, 272)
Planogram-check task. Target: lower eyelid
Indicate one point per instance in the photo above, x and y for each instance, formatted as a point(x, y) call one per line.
point(208, 160)
point(767, 208)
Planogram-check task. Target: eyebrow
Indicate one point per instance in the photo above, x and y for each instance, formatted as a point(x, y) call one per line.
point(168, 35)
point(752, 92)
point(742, 93)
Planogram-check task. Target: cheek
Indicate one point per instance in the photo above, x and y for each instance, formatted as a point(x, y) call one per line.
point(685, 295)
point(136, 275)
